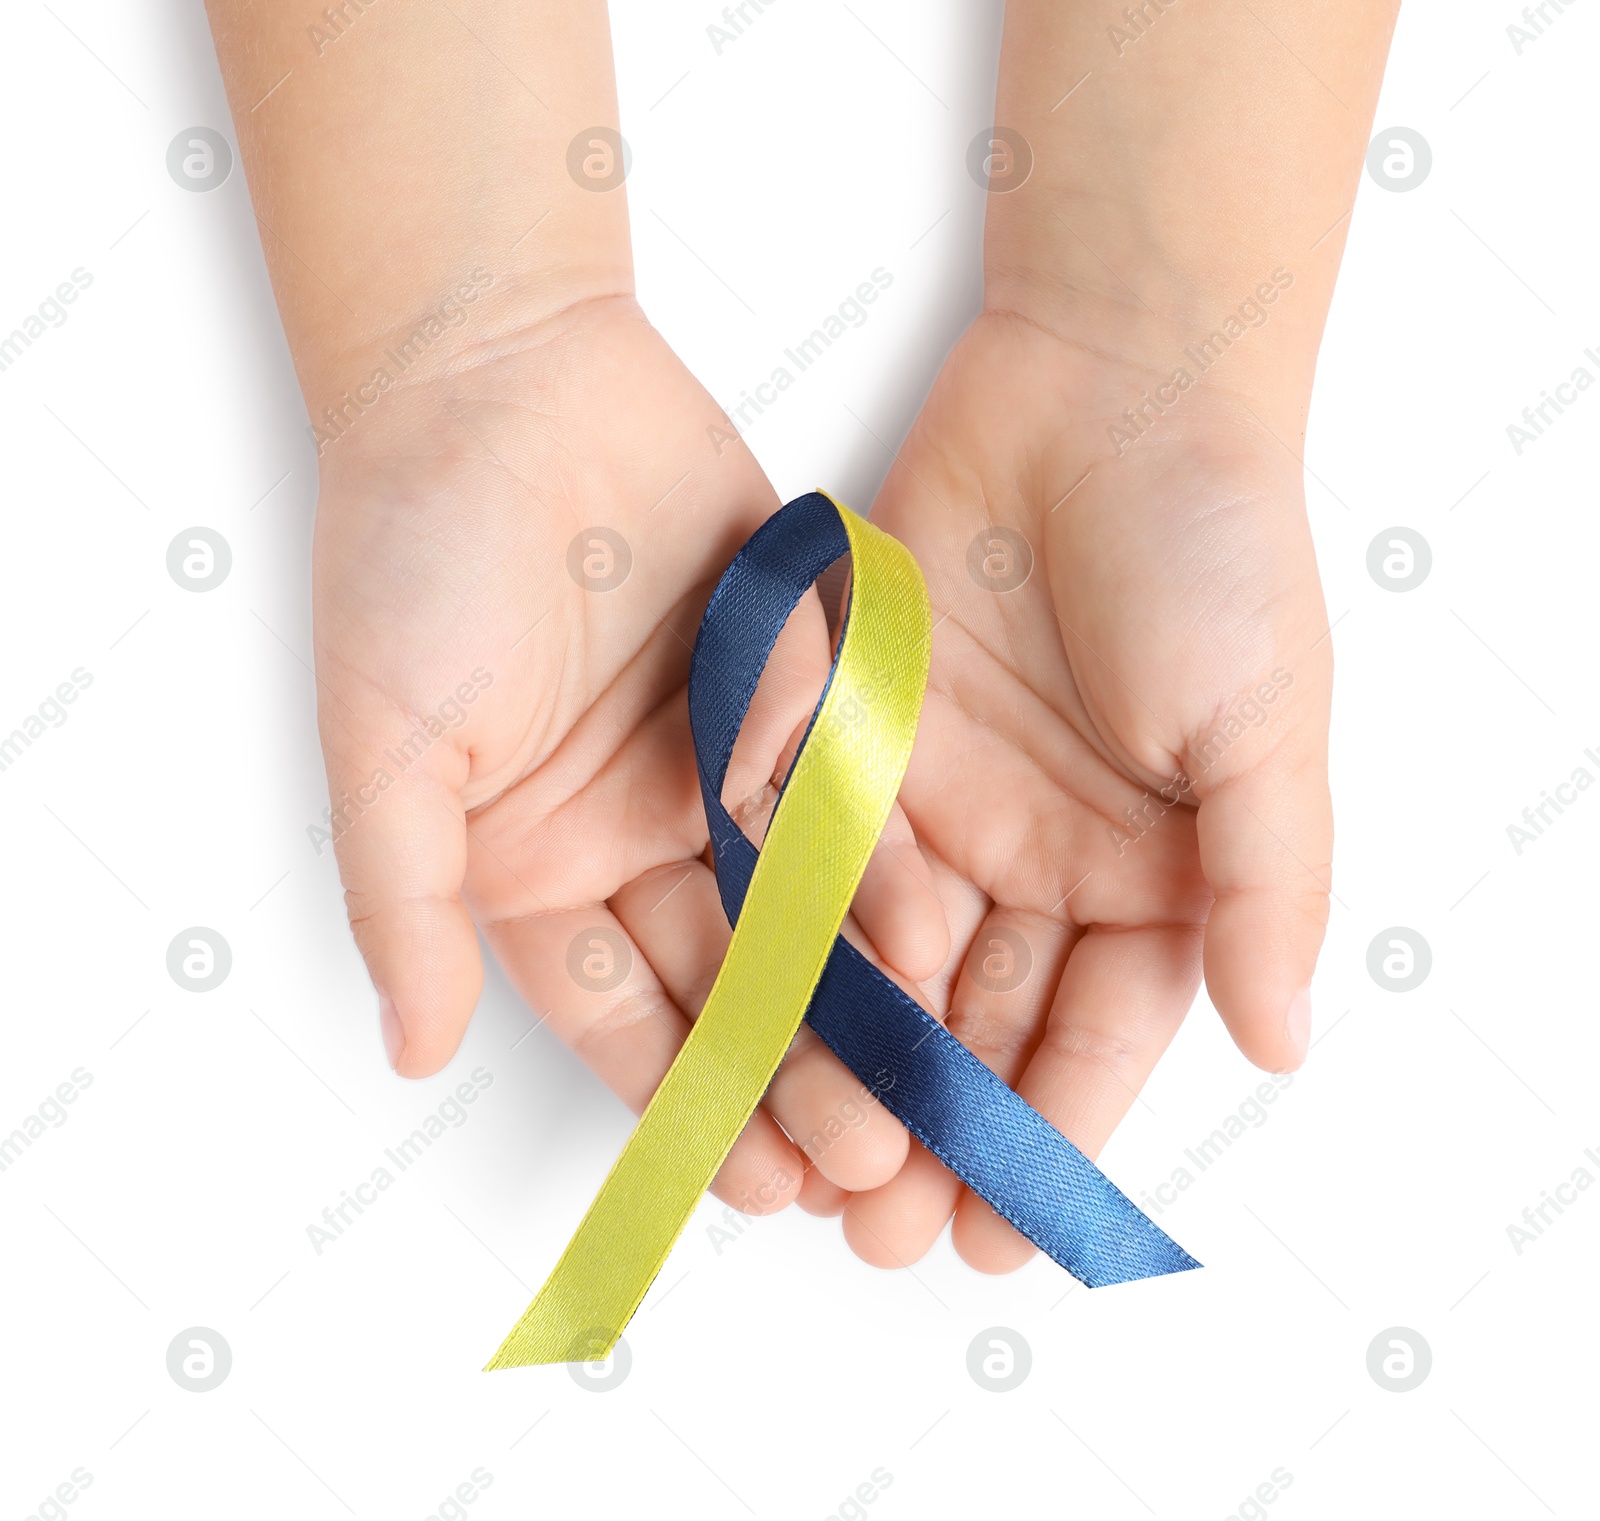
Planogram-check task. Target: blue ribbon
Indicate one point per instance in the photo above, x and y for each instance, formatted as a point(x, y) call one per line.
point(1002, 1148)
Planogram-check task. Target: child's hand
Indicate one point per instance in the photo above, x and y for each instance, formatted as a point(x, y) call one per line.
point(1167, 648)
point(1183, 210)
point(519, 550)
point(445, 194)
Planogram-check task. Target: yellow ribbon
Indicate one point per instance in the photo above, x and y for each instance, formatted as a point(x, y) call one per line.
point(833, 809)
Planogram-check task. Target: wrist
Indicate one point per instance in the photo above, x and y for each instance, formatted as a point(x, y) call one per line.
point(1162, 165)
point(467, 315)
point(417, 394)
point(1241, 335)
point(417, 168)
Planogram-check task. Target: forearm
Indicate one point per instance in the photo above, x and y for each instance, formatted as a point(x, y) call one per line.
point(1184, 151)
point(411, 168)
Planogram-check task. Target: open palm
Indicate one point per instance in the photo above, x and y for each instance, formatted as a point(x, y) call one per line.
point(1119, 638)
point(511, 560)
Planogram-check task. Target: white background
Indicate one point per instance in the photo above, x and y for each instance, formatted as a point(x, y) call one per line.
point(775, 1375)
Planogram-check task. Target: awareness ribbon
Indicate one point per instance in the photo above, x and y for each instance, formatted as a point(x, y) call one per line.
point(786, 961)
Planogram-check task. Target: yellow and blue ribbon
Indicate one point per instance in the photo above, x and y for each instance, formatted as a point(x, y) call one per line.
point(786, 961)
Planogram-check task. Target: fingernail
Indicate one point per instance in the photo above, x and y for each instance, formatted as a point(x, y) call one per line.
point(1297, 1024)
point(394, 1036)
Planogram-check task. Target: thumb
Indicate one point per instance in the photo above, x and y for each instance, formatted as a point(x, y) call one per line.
point(1266, 841)
point(399, 833)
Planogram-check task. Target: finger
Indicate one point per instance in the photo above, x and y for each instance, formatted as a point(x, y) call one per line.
point(400, 837)
point(1266, 844)
point(999, 1004)
point(1001, 1001)
point(598, 993)
point(896, 1223)
point(820, 1197)
point(676, 919)
point(897, 907)
point(894, 1226)
point(781, 707)
point(1120, 1001)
